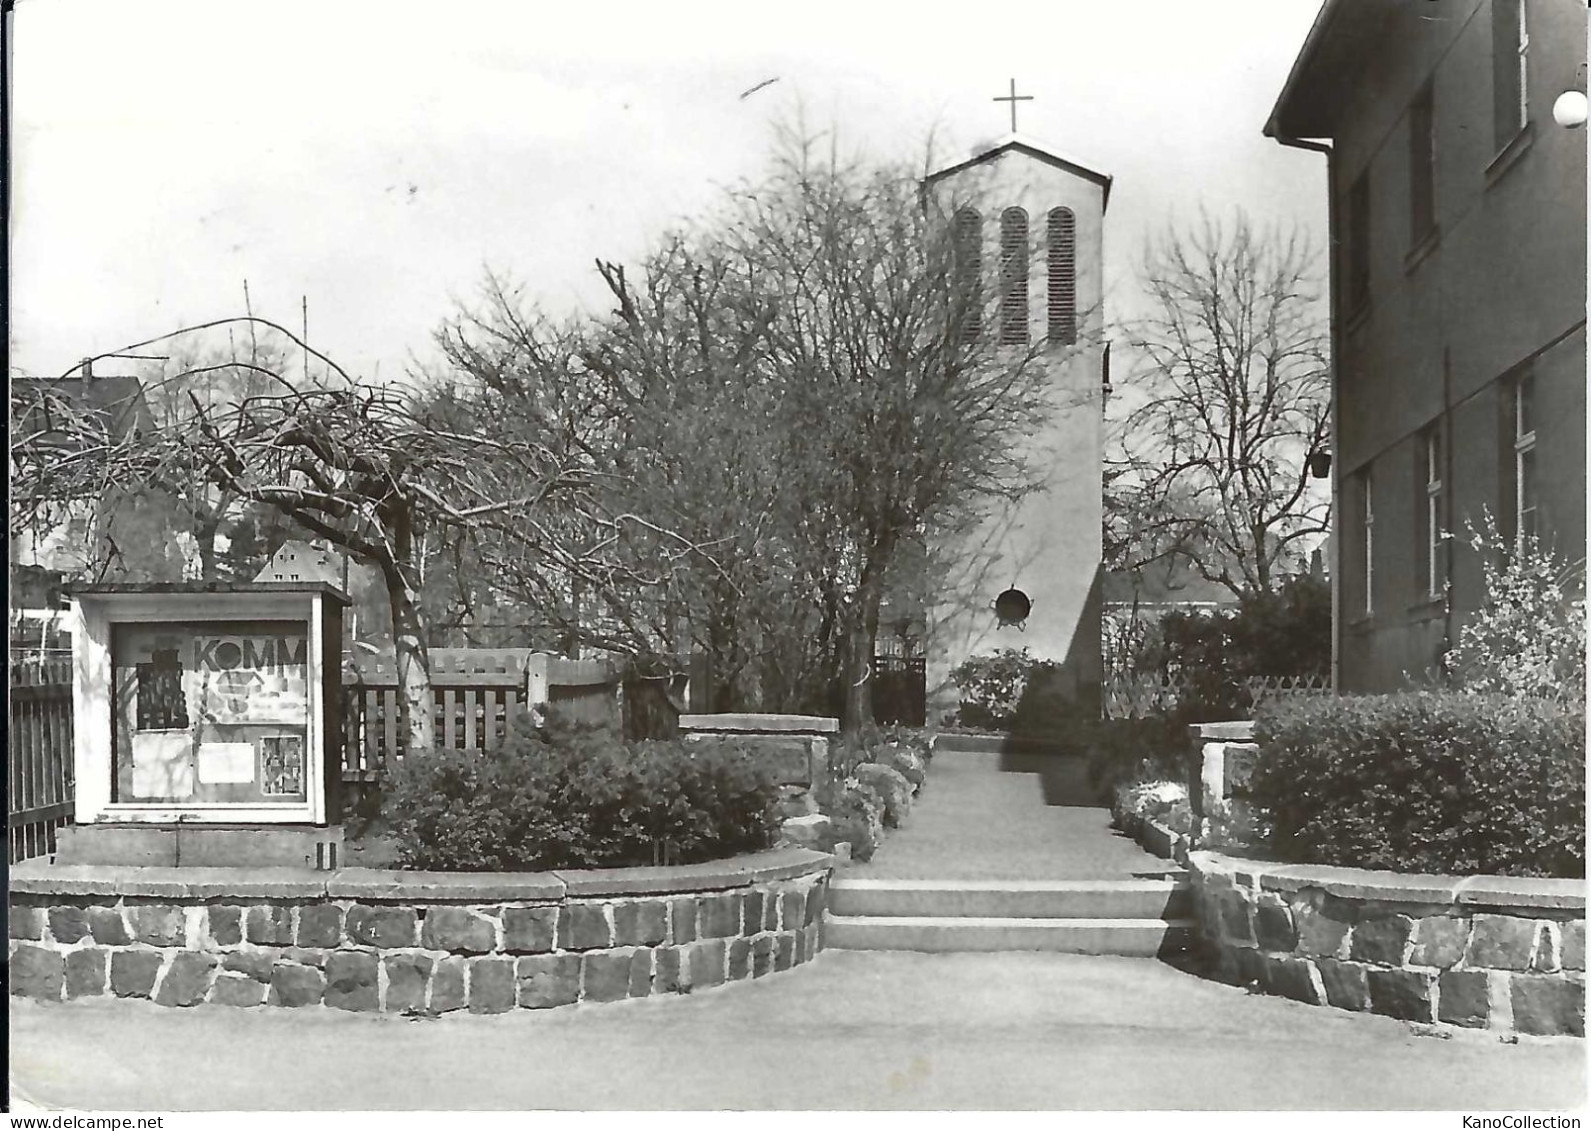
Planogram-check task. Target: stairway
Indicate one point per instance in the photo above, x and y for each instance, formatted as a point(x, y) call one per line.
point(1136, 917)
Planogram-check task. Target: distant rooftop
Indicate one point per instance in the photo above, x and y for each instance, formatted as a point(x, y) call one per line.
point(48, 405)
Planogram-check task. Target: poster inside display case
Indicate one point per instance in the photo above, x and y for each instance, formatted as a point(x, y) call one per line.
point(211, 713)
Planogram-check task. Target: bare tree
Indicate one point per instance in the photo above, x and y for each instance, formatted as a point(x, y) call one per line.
point(1227, 398)
point(384, 473)
point(594, 555)
point(823, 312)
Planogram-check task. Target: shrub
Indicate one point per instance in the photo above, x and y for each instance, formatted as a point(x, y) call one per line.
point(874, 744)
point(1426, 782)
point(1529, 636)
point(1128, 750)
point(856, 813)
point(575, 796)
point(992, 687)
point(893, 790)
point(1147, 798)
point(917, 740)
point(1282, 632)
point(905, 762)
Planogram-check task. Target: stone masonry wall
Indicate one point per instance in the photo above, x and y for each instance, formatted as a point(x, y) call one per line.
point(366, 944)
point(1483, 952)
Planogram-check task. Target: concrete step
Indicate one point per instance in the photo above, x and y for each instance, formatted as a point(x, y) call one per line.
point(1011, 899)
point(1139, 938)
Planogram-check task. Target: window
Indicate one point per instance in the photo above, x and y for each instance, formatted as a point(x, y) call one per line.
point(1368, 542)
point(1435, 551)
point(1356, 254)
point(1013, 277)
point(1063, 276)
point(1510, 76)
point(1524, 393)
point(1422, 167)
point(969, 271)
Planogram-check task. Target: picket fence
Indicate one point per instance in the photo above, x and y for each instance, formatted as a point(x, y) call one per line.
point(38, 757)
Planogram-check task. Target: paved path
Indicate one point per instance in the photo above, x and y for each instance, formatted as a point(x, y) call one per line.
point(1008, 817)
point(851, 1031)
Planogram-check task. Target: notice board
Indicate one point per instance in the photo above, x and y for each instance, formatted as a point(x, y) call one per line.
point(211, 713)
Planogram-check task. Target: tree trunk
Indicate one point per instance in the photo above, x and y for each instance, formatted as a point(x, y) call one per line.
point(209, 566)
point(858, 668)
point(415, 700)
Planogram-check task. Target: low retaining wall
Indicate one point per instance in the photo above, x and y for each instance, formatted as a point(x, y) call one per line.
point(794, 747)
point(410, 941)
point(1485, 952)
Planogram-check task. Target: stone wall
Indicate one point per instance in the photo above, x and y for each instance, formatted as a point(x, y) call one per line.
point(795, 747)
point(1484, 952)
point(410, 941)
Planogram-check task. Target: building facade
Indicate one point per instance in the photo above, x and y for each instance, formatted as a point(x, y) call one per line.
point(1458, 234)
point(1034, 220)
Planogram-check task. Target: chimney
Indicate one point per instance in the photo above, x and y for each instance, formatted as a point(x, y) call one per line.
point(88, 368)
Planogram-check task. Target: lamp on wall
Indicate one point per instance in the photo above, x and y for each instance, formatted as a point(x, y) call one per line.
point(1012, 607)
point(1319, 464)
point(1569, 111)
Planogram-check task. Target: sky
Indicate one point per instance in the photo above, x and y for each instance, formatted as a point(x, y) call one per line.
point(375, 159)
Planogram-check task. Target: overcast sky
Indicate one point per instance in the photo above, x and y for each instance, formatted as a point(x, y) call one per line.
point(376, 157)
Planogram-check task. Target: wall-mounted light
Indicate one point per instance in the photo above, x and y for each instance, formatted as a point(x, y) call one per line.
point(1569, 111)
point(1319, 464)
point(1012, 607)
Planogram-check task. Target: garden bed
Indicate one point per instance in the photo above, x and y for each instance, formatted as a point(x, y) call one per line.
point(408, 941)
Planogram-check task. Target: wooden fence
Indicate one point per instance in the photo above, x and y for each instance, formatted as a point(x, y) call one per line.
point(38, 757)
point(477, 694)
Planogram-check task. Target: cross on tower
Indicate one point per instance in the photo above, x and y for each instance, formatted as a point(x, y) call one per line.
point(1013, 98)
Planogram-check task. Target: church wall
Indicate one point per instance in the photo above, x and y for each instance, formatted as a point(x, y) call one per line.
point(1049, 546)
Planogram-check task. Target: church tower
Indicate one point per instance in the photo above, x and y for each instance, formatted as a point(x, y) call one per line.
point(1037, 220)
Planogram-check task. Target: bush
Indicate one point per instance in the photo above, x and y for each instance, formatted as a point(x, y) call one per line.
point(575, 796)
point(893, 790)
point(1128, 750)
point(1426, 782)
point(856, 812)
point(905, 762)
point(1279, 633)
point(992, 687)
point(1147, 798)
point(1529, 636)
point(875, 744)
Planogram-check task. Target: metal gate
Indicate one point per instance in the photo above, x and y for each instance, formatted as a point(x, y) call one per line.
point(900, 690)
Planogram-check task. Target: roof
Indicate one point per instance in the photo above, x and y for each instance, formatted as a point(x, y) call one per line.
point(117, 402)
point(297, 560)
point(1168, 581)
point(1030, 147)
point(1345, 34)
point(195, 588)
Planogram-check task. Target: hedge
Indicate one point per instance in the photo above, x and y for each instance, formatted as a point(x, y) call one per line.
point(572, 796)
point(1426, 782)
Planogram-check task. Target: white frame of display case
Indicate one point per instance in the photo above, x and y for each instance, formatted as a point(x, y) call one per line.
point(94, 615)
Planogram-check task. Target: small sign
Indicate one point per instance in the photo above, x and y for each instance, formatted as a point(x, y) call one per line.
point(226, 763)
point(163, 764)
